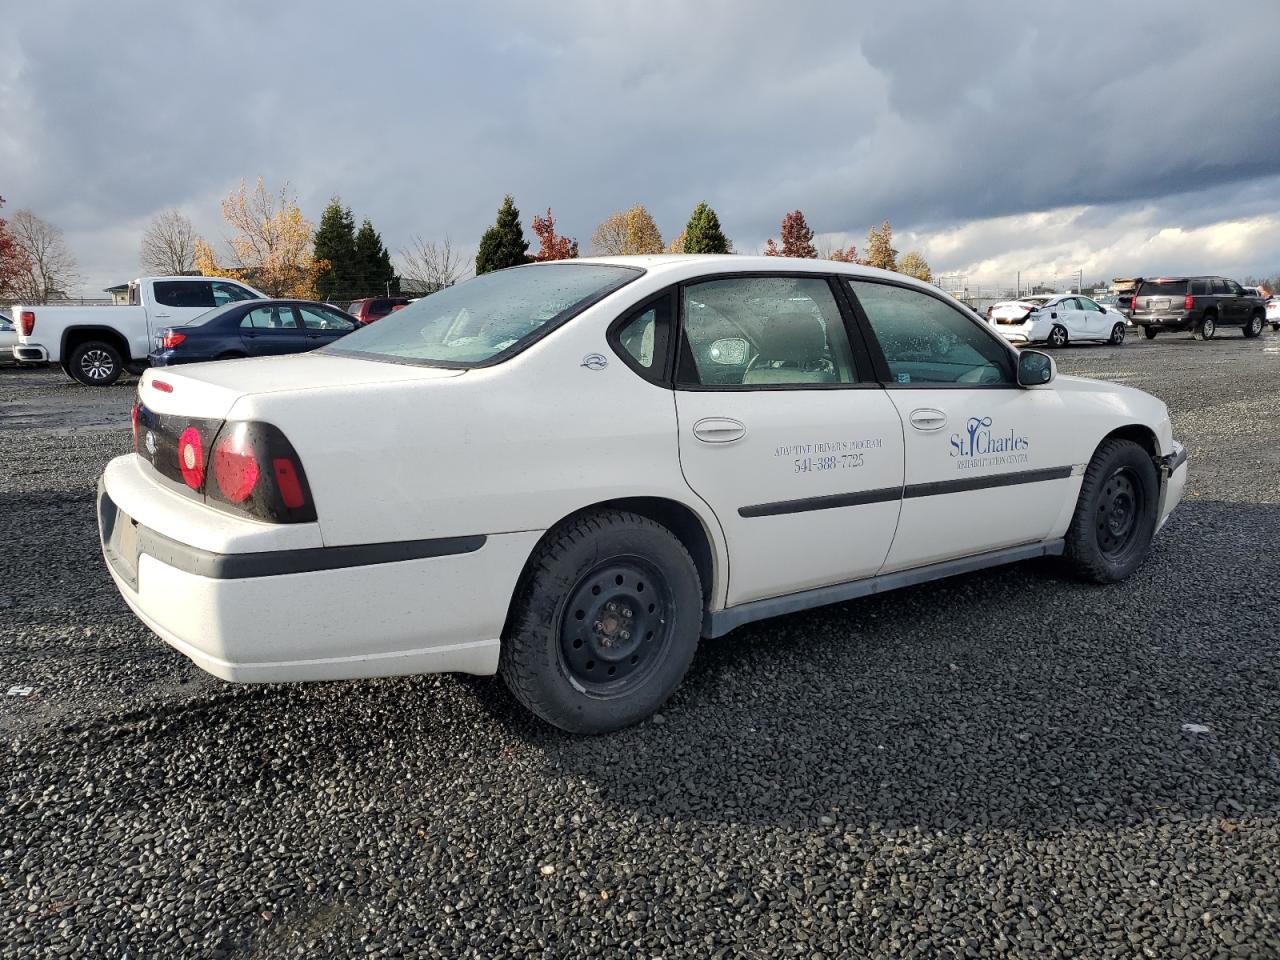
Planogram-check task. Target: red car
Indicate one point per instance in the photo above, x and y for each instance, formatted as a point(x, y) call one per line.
point(375, 308)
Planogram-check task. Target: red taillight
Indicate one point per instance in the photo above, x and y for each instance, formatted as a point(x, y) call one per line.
point(191, 458)
point(170, 339)
point(137, 410)
point(28, 322)
point(1189, 303)
point(235, 467)
point(288, 484)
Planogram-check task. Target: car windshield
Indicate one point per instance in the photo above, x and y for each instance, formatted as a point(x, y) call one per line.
point(487, 318)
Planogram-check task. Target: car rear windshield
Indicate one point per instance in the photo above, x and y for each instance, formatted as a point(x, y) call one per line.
point(486, 319)
point(1163, 288)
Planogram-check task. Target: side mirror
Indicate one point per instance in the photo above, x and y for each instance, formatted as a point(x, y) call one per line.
point(1035, 369)
point(1054, 315)
point(731, 352)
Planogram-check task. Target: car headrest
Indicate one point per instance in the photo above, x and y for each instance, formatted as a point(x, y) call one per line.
point(792, 337)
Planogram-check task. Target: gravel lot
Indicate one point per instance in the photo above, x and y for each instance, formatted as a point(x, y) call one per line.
point(990, 766)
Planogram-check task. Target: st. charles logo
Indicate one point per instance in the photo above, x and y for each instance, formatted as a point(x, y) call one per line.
point(979, 440)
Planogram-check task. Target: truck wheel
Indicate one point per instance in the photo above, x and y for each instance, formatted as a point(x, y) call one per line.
point(1149, 332)
point(605, 622)
point(1057, 336)
point(1275, 326)
point(1254, 326)
point(96, 363)
point(1117, 335)
point(1206, 328)
point(1115, 516)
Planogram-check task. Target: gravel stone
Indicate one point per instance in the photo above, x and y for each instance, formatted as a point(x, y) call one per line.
point(987, 766)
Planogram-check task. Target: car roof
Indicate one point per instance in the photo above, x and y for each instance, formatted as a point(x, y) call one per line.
point(692, 263)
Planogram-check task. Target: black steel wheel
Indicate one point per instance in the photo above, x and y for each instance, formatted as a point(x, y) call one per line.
point(604, 624)
point(1119, 507)
point(615, 627)
point(1115, 517)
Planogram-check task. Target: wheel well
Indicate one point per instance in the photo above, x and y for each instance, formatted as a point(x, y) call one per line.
point(77, 335)
point(1142, 436)
point(676, 517)
point(230, 355)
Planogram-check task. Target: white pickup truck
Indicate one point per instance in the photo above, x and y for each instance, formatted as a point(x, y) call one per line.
point(94, 345)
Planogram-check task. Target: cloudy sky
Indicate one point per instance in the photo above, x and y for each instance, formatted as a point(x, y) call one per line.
point(1115, 138)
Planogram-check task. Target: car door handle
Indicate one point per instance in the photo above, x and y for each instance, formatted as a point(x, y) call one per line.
point(928, 419)
point(719, 430)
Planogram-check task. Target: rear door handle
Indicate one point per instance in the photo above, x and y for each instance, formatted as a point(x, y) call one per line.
point(928, 419)
point(719, 430)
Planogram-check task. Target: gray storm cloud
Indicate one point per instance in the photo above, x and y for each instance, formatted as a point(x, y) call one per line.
point(1134, 116)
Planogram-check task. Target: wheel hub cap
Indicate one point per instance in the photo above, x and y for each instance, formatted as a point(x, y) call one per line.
point(97, 364)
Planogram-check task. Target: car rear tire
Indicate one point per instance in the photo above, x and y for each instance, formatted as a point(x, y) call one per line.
point(1117, 335)
point(605, 622)
point(1057, 336)
point(1115, 517)
point(1150, 332)
point(1275, 326)
point(1206, 328)
point(96, 363)
point(1254, 326)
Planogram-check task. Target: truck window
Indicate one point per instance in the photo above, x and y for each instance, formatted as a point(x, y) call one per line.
point(183, 293)
point(224, 292)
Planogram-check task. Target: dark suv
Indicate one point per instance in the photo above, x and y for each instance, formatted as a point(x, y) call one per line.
point(1198, 304)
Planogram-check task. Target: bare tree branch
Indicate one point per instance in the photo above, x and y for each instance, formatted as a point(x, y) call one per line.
point(50, 270)
point(169, 245)
point(431, 266)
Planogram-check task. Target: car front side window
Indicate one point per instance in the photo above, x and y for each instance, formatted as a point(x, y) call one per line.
point(927, 342)
point(755, 332)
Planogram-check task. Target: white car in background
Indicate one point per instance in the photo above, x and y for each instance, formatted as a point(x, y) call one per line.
point(569, 472)
point(1273, 313)
point(1057, 319)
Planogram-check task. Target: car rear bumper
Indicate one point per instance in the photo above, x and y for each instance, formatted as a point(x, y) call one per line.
point(30, 353)
point(271, 615)
point(1180, 321)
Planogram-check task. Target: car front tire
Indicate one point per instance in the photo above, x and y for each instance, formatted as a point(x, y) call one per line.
point(605, 622)
point(1115, 517)
point(96, 364)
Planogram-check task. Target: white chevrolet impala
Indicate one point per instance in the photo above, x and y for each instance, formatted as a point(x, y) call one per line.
point(568, 473)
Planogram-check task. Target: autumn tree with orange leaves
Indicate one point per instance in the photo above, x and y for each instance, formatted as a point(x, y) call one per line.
point(271, 245)
point(553, 246)
point(797, 239)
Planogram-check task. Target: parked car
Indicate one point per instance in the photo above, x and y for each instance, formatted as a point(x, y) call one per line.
point(1118, 303)
point(95, 345)
point(8, 339)
point(251, 328)
point(1199, 304)
point(748, 438)
point(1057, 320)
point(1273, 312)
point(375, 308)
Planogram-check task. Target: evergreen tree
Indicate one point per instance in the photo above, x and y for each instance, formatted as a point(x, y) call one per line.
point(335, 245)
point(703, 233)
point(503, 244)
point(880, 252)
point(797, 239)
point(374, 272)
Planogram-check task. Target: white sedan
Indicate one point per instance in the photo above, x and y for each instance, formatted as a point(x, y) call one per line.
point(570, 472)
point(1057, 320)
point(1273, 312)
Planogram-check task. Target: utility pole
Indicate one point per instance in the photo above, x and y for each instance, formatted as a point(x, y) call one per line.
point(1019, 293)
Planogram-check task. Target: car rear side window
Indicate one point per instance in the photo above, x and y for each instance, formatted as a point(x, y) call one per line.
point(927, 342)
point(183, 293)
point(1200, 288)
point(763, 332)
point(641, 337)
